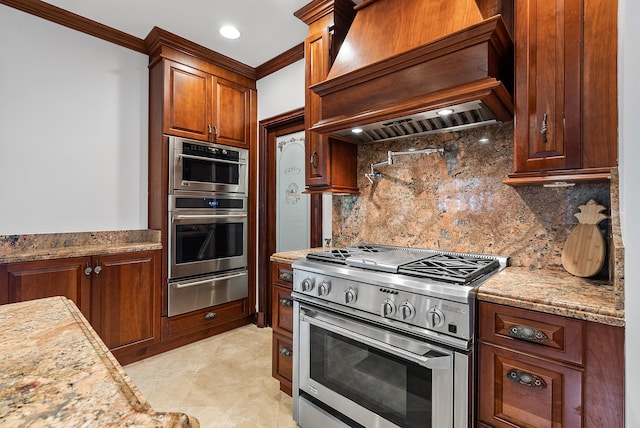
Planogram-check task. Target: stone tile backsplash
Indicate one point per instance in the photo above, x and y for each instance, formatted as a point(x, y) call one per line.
point(456, 201)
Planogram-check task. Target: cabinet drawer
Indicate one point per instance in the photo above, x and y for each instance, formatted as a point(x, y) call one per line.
point(282, 275)
point(282, 358)
point(282, 305)
point(205, 318)
point(524, 391)
point(532, 332)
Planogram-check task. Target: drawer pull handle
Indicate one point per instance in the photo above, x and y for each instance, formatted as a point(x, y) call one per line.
point(313, 160)
point(285, 276)
point(543, 128)
point(285, 352)
point(286, 302)
point(526, 379)
point(210, 315)
point(529, 334)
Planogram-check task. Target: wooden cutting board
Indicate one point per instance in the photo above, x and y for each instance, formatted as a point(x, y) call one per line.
point(585, 249)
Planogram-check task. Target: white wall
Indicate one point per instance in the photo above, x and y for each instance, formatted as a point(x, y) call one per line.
point(629, 99)
point(73, 130)
point(281, 91)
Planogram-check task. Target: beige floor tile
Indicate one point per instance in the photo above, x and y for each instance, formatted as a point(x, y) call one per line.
point(223, 381)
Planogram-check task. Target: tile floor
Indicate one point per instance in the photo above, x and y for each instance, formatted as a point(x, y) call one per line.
point(224, 381)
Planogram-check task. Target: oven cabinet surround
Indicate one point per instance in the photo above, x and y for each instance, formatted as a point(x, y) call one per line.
point(566, 93)
point(190, 89)
point(117, 293)
point(282, 324)
point(331, 164)
point(205, 107)
point(538, 369)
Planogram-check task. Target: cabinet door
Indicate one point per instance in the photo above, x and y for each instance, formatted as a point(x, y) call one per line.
point(548, 84)
point(282, 361)
point(126, 296)
point(233, 113)
point(187, 102)
point(46, 278)
point(282, 307)
point(317, 149)
point(519, 390)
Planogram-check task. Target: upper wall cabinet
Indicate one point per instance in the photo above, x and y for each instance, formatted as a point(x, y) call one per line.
point(331, 164)
point(566, 93)
point(202, 106)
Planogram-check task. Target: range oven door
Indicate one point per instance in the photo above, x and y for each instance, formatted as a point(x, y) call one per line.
point(371, 376)
point(207, 167)
point(206, 241)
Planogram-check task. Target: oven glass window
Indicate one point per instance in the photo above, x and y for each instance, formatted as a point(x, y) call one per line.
point(397, 390)
point(210, 172)
point(199, 242)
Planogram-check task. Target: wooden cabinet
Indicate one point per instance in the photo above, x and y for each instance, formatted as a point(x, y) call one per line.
point(118, 294)
point(566, 93)
point(202, 106)
point(543, 370)
point(331, 164)
point(47, 278)
point(282, 324)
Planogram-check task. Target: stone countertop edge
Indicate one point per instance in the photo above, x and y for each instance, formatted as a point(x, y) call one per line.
point(64, 361)
point(288, 257)
point(22, 248)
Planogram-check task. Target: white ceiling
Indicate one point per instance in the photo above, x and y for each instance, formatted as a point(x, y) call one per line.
point(268, 27)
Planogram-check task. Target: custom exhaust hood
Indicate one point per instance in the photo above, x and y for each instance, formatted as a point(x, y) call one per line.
point(414, 67)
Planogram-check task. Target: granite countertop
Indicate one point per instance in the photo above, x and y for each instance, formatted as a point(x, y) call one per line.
point(554, 292)
point(290, 256)
point(55, 371)
point(20, 248)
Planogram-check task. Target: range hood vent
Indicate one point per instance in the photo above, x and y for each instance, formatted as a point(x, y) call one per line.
point(404, 61)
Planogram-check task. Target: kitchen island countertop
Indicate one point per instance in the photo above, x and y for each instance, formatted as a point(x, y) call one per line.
point(56, 372)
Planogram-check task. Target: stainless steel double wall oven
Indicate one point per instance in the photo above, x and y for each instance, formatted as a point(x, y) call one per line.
point(207, 239)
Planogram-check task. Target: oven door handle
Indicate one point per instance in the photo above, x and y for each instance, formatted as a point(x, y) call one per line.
point(206, 281)
point(211, 216)
point(430, 362)
point(238, 162)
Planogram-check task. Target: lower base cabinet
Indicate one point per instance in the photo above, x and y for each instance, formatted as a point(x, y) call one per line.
point(282, 324)
point(117, 293)
point(542, 370)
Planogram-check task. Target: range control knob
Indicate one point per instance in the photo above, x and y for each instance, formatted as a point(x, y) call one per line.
point(387, 308)
point(435, 317)
point(407, 311)
point(350, 296)
point(307, 284)
point(324, 288)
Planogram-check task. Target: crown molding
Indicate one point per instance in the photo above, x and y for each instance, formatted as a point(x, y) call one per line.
point(281, 61)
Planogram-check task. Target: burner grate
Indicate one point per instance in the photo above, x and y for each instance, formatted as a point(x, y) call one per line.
point(338, 255)
point(456, 268)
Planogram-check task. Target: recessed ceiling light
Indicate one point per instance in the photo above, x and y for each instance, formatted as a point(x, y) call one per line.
point(229, 31)
point(356, 130)
point(445, 112)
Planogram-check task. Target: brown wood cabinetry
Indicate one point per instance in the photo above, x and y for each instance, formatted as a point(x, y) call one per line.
point(566, 93)
point(331, 164)
point(202, 106)
point(118, 294)
point(282, 324)
point(543, 370)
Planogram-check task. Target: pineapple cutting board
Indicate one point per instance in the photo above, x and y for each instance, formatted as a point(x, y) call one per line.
point(584, 252)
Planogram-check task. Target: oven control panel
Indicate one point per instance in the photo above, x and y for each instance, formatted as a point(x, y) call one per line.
point(386, 304)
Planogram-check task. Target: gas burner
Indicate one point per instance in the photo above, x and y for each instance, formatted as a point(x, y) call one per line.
point(453, 267)
point(339, 255)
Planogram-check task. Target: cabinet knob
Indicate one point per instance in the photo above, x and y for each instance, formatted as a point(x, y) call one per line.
point(314, 159)
point(286, 277)
point(97, 269)
point(526, 379)
point(543, 128)
point(527, 333)
point(286, 302)
point(88, 270)
point(285, 352)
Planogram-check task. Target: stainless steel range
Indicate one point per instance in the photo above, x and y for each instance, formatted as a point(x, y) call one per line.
point(384, 336)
